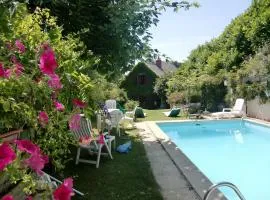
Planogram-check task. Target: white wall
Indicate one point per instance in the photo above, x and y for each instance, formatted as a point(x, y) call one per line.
point(257, 110)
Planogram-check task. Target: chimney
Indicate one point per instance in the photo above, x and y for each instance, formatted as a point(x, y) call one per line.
point(159, 63)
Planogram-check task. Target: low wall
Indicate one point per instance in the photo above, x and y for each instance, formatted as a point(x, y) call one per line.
point(257, 110)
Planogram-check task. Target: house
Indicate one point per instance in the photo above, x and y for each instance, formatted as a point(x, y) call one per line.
point(139, 83)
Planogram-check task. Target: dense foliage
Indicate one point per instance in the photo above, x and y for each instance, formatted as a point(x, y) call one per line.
point(41, 72)
point(116, 31)
point(209, 65)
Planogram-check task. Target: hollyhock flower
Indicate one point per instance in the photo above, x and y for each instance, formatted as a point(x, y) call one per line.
point(78, 103)
point(18, 69)
point(20, 46)
point(59, 106)
point(36, 162)
point(8, 73)
point(48, 62)
point(43, 118)
point(7, 155)
point(7, 197)
point(74, 122)
point(27, 146)
point(2, 71)
point(54, 82)
point(101, 139)
point(64, 191)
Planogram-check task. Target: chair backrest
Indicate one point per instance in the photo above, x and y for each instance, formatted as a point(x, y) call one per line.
point(110, 104)
point(115, 117)
point(238, 106)
point(174, 112)
point(84, 129)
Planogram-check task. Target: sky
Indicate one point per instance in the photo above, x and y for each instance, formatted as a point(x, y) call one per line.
point(178, 33)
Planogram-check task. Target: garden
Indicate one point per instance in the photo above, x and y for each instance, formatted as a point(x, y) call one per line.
point(49, 76)
point(59, 61)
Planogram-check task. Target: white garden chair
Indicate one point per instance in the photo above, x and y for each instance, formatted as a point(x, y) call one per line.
point(236, 111)
point(110, 104)
point(93, 146)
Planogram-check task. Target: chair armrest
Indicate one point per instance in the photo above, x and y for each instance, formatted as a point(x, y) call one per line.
point(227, 110)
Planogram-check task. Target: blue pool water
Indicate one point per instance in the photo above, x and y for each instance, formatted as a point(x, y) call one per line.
point(231, 150)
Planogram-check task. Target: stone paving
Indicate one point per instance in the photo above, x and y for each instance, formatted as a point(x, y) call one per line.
point(173, 184)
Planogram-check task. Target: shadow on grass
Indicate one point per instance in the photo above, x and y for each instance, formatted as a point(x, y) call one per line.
point(127, 176)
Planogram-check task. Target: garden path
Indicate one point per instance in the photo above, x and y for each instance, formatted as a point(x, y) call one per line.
point(172, 183)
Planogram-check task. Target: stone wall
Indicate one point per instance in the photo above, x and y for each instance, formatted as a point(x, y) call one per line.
point(255, 109)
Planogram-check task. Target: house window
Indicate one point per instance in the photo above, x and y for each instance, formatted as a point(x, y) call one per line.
point(141, 79)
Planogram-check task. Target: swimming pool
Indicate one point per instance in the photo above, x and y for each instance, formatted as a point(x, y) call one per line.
point(227, 150)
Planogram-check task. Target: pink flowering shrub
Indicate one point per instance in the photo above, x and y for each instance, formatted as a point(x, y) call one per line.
point(7, 155)
point(29, 155)
point(79, 103)
point(48, 62)
point(64, 191)
point(74, 122)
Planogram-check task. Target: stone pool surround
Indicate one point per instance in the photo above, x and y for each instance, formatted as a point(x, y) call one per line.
point(196, 178)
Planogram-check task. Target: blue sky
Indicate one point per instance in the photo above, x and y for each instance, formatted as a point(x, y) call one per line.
point(178, 33)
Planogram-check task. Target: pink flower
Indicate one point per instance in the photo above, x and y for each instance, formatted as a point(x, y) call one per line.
point(101, 139)
point(54, 82)
point(2, 71)
point(48, 62)
point(64, 191)
point(36, 162)
point(7, 155)
point(74, 122)
point(79, 103)
point(59, 106)
point(18, 69)
point(27, 146)
point(20, 46)
point(7, 197)
point(43, 118)
point(8, 73)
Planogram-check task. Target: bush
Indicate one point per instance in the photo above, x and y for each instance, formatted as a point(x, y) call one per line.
point(176, 98)
point(131, 104)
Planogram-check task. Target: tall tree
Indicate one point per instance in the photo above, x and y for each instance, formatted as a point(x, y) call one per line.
point(115, 30)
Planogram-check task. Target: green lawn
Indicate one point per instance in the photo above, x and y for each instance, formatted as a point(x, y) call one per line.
point(127, 176)
point(156, 115)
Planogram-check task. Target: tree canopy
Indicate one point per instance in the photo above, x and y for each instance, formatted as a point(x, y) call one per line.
point(213, 62)
point(115, 30)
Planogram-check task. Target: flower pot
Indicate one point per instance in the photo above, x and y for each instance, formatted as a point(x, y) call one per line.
point(10, 136)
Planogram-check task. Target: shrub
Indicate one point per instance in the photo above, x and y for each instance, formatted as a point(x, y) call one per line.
point(131, 104)
point(176, 98)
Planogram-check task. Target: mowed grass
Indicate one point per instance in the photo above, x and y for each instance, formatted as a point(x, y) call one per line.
point(127, 176)
point(158, 115)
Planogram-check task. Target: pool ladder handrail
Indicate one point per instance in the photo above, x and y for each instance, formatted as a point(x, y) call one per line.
point(224, 183)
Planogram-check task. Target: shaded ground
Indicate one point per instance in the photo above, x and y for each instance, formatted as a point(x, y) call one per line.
point(127, 176)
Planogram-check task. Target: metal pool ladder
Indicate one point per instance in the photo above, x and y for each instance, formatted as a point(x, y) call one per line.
point(227, 184)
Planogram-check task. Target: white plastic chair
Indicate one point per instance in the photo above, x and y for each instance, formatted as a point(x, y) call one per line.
point(110, 104)
point(93, 146)
point(113, 120)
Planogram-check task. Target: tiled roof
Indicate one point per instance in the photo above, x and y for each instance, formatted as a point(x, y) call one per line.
point(166, 67)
